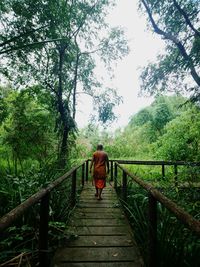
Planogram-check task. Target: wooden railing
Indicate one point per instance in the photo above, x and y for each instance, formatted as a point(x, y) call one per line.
point(154, 196)
point(43, 197)
point(162, 164)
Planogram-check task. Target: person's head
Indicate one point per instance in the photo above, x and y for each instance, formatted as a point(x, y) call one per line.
point(99, 147)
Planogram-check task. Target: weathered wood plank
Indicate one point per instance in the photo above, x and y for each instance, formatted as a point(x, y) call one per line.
point(100, 230)
point(101, 264)
point(99, 210)
point(99, 204)
point(102, 241)
point(95, 254)
point(92, 196)
point(98, 215)
point(97, 222)
point(95, 201)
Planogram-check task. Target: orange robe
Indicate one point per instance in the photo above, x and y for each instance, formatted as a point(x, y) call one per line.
point(100, 159)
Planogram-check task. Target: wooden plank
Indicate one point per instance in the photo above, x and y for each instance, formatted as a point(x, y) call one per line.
point(102, 241)
point(101, 264)
point(97, 222)
point(95, 254)
point(98, 215)
point(104, 196)
point(96, 201)
point(100, 230)
point(91, 193)
point(99, 204)
point(99, 210)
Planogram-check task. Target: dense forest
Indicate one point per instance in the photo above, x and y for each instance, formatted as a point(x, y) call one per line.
point(49, 52)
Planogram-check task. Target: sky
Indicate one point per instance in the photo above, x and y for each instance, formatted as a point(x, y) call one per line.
point(144, 47)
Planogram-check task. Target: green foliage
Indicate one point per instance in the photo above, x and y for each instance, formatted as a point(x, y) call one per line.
point(177, 22)
point(181, 138)
point(166, 130)
point(176, 245)
point(28, 130)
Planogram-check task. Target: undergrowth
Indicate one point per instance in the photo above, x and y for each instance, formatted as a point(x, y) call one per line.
point(176, 244)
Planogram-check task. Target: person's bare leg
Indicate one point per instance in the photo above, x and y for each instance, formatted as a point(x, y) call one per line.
point(96, 194)
point(99, 193)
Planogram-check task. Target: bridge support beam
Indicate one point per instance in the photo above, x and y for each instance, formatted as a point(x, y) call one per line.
point(111, 170)
point(43, 231)
point(152, 231)
point(87, 168)
point(115, 176)
point(124, 186)
point(176, 174)
point(83, 175)
point(163, 171)
point(73, 189)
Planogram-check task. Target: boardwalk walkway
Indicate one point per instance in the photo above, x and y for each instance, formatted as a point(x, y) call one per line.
point(104, 235)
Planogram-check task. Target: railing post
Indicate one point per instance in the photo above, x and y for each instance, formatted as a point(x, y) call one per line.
point(87, 168)
point(83, 175)
point(163, 171)
point(115, 176)
point(124, 186)
point(152, 231)
point(175, 174)
point(111, 170)
point(43, 231)
point(73, 189)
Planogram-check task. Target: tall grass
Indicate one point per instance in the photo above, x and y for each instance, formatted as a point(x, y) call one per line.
point(176, 246)
point(22, 237)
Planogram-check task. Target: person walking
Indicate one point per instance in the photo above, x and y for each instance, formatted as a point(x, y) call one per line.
point(100, 166)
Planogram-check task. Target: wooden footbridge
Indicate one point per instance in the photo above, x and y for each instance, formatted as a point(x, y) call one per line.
point(104, 236)
point(101, 230)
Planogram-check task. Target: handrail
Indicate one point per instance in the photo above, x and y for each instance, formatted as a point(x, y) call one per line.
point(157, 162)
point(161, 163)
point(11, 216)
point(154, 196)
point(43, 196)
point(182, 215)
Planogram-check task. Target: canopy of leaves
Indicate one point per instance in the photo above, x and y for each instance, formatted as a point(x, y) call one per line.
point(177, 69)
point(55, 44)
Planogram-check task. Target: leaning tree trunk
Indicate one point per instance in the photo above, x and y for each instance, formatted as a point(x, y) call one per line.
point(64, 147)
point(62, 154)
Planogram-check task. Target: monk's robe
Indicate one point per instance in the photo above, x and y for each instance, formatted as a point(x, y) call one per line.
point(100, 159)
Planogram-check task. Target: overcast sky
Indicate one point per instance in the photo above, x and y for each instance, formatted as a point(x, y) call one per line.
point(144, 46)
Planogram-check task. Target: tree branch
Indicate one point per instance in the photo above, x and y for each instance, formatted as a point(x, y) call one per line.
point(176, 41)
point(187, 20)
point(31, 44)
point(75, 33)
point(21, 35)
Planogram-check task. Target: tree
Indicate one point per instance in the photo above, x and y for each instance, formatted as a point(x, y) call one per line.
point(28, 130)
point(178, 23)
point(161, 114)
point(181, 140)
point(57, 46)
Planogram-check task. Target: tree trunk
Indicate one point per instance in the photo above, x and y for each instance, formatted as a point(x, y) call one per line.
point(63, 147)
point(75, 85)
point(61, 109)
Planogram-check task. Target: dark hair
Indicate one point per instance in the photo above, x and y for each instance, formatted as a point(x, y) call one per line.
point(99, 147)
